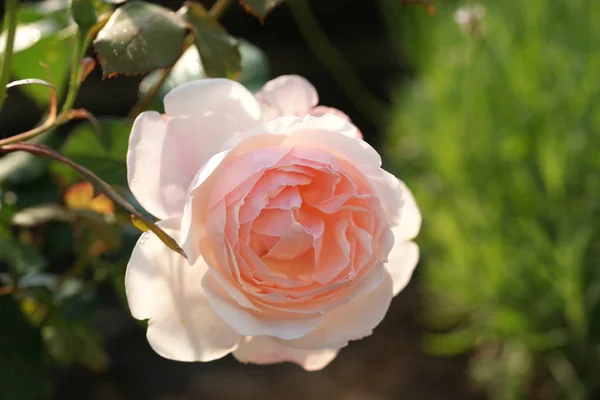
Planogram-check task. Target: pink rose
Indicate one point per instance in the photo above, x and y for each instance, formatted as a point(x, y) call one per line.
point(296, 239)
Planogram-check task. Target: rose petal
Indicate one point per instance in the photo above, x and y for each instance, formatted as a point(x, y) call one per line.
point(165, 153)
point(336, 121)
point(295, 242)
point(263, 350)
point(396, 200)
point(410, 217)
point(163, 287)
point(207, 188)
point(329, 138)
point(160, 166)
point(287, 95)
point(351, 321)
point(215, 100)
point(249, 323)
point(402, 260)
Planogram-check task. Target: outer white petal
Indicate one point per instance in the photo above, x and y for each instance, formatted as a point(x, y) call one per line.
point(287, 95)
point(253, 323)
point(162, 287)
point(397, 202)
point(405, 218)
point(410, 216)
point(166, 152)
point(402, 260)
point(263, 350)
point(352, 321)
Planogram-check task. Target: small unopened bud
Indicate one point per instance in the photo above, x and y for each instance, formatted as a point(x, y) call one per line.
point(87, 66)
point(84, 14)
point(471, 20)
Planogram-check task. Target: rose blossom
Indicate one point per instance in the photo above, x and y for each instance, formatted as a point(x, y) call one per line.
point(296, 239)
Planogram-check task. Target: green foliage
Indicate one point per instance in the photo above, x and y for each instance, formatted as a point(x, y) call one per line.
point(44, 39)
point(104, 153)
point(218, 50)
point(22, 361)
point(20, 258)
point(140, 37)
point(501, 133)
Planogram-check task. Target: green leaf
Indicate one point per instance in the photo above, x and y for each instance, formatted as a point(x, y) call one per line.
point(255, 67)
point(20, 258)
point(24, 376)
point(140, 37)
point(218, 50)
point(145, 226)
point(260, 8)
point(255, 71)
point(48, 41)
point(104, 154)
point(72, 342)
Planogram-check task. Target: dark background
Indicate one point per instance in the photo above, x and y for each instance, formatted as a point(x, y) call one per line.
point(387, 365)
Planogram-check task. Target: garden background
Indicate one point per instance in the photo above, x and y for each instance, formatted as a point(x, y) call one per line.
point(491, 116)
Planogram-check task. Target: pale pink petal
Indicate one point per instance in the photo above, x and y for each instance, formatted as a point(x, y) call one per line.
point(319, 111)
point(351, 321)
point(161, 163)
point(295, 242)
point(330, 122)
point(318, 133)
point(209, 185)
point(396, 200)
point(287, 199)
point(162, 287)
point(251, 323)
point(273, 222)
point(262, 132)
point(228, 101)
point(410, 217)
point(166, 152)
point(287, 95)
point(263, 350)
point(402, 260)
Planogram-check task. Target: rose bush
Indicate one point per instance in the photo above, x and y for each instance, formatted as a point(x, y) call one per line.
point(296, 238)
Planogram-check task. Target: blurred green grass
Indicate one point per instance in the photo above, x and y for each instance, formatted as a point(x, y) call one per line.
point(498, 136)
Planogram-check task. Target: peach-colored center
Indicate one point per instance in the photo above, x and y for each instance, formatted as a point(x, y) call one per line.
point(300, 231)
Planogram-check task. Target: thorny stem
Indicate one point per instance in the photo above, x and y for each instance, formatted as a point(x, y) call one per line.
point(10, 23)
point(112, 194)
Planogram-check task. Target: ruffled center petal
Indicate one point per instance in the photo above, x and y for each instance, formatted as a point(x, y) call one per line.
point(302, 231)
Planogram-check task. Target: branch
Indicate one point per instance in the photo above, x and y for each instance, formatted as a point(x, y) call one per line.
point(43, 151)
